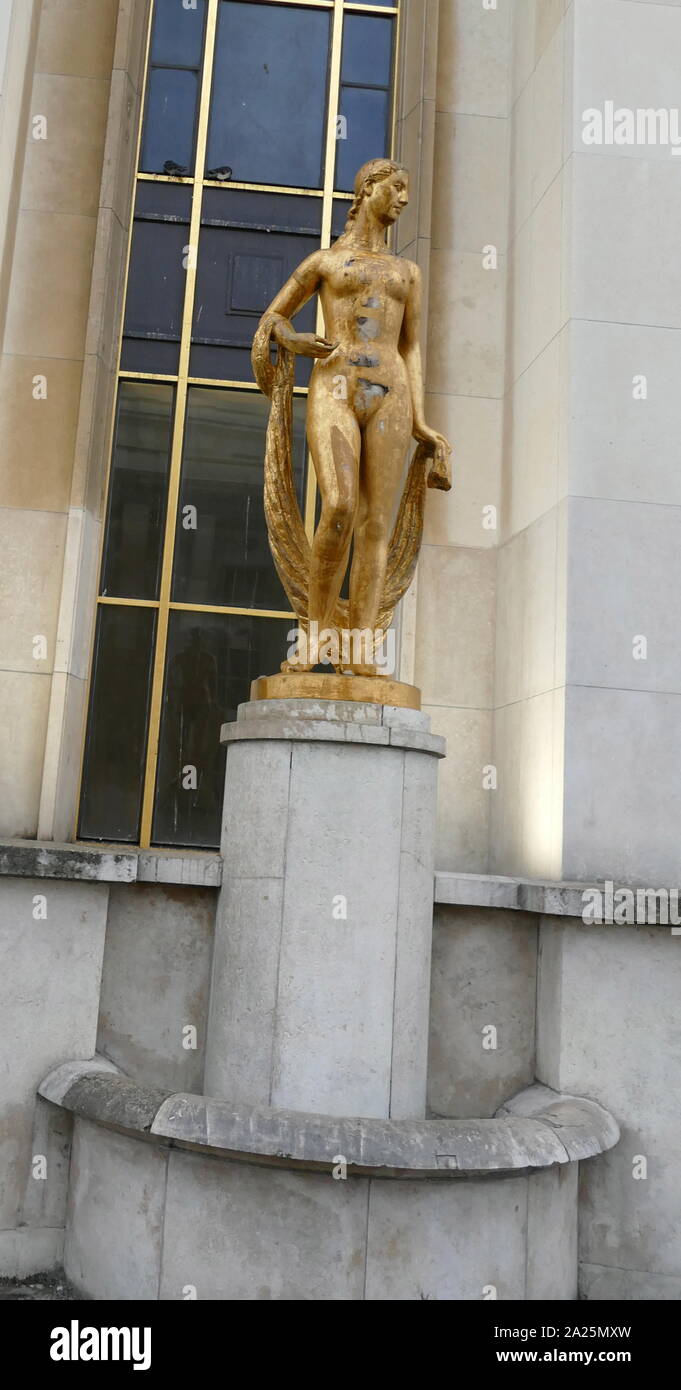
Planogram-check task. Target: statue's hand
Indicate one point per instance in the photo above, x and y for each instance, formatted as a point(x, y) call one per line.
point(440, 475)
point(306, 344)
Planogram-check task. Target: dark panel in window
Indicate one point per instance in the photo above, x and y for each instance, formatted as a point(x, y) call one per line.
point(137, 491)
point(234, 364)
point(165, 202)
point(239, 272)
point(177, 37)
point(113, 772)
point(169, 127)
point(269, 212)
point(145, 355)
point(366, 112)
point(212, 659)
point(269, 93)
point(367, 50)
point(156, 282)
point(222, 555)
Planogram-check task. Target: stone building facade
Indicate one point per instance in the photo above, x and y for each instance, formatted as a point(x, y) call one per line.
point(540, 628)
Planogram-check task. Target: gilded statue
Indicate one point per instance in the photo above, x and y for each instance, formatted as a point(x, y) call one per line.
point(365, 404)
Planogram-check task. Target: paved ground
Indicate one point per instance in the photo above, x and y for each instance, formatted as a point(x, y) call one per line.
point(39, 1288)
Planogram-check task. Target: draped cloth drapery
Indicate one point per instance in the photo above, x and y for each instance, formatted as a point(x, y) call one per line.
point(288, 541)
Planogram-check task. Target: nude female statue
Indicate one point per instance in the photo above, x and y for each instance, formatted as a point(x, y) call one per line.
point(365, 397)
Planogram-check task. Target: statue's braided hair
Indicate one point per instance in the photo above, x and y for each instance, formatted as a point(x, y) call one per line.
point(370, 173)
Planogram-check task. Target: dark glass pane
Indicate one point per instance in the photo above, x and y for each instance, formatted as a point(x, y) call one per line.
point(143, 355)
point(234, 364)
point(239, 273)
point(156, 282)
point(137, 491)
point(366, 113)
point(220, 364)
point(269, 93)
point(165, 202)
point(222, 555)
point(177, 39)
point(115, 750)
point(367, 50)
point(212, 659)
point(339, 216)
point(267, 212)
point(170, 121)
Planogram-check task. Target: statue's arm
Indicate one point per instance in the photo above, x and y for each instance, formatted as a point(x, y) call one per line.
point(292, 297)
point(410, 349)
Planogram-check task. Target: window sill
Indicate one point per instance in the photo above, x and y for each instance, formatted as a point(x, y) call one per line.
point(110, 863)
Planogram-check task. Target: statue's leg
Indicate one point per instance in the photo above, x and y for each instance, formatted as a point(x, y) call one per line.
point(384, 448)
point(334, 439)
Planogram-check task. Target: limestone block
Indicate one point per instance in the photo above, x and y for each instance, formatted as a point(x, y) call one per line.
point(115, 1222)
point(608, 1026)
point(601, 1284)
point(334, 1021)
point(414, 935)
point(243, 1003)
point(622, 797)
point(244, 1233)
point(155, 982)
point(484, 970)
point(31, 1250)
point(616, 257)
point(623, 48)
point(463, 801)
point(552, 1235)
point(445, 1242)
point(49, 998)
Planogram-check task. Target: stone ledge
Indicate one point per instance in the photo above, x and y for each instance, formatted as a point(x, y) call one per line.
point(537, 1129)
point(298, 730)
point(334, 721)
point(109, 864)
point(543, 897)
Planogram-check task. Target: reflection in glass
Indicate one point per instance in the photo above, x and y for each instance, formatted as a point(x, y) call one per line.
point(222, 555)
point(137, 491)
point(366, 112)
point(113, 772)
point(367, 51)
point(269, 93)
point(212, 659)
point(177, 38)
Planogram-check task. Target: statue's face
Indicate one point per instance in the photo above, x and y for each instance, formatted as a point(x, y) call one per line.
point(389, 197)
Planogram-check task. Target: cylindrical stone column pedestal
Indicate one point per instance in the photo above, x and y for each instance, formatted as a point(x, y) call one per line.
point(321, 975)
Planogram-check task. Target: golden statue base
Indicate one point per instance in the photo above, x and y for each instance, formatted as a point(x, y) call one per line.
point(310, 685)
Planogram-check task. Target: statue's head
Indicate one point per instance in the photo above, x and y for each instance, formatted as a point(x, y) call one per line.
point(383, 185)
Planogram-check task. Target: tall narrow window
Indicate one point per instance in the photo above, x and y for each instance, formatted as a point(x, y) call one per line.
point(257, 114)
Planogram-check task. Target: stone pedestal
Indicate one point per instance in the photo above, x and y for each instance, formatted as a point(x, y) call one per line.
point(321, 972)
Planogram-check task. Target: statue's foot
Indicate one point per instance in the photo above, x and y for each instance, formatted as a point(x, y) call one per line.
point(292, 668)
point(365, 669)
